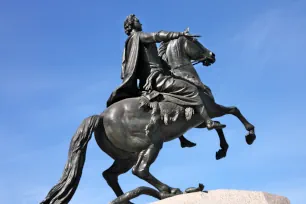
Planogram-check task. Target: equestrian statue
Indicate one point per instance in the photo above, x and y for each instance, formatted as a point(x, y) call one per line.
point(160, 98)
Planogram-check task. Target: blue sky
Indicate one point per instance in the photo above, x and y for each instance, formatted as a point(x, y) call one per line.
point(60, 60)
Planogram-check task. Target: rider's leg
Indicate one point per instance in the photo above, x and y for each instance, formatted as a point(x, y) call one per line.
point(188, 92)
point(209, 122)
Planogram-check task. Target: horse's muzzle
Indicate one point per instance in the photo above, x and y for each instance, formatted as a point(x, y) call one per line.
point(209, 60)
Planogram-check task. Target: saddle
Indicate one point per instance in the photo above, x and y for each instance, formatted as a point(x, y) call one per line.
point(162, 111)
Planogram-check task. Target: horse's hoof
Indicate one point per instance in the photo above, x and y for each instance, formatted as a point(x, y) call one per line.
point(164, 195)
point(126, 202)
point(250, 138)
point(193, 189)
point(188, 144)
point(220, 154)
point(201, 187)
point(176, 191)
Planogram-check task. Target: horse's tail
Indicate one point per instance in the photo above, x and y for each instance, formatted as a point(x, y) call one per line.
point(66, 187)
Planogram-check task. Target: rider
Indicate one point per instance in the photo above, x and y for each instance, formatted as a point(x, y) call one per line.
point(141, 61)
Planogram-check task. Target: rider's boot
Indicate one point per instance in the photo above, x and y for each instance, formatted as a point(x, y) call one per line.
point(210, 124)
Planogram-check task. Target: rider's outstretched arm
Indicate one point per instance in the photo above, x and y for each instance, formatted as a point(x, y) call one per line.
point(160, 36)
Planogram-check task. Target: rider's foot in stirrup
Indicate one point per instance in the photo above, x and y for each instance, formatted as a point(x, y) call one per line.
point(214, 125)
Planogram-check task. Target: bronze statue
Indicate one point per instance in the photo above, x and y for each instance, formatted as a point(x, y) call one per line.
point(169, 100)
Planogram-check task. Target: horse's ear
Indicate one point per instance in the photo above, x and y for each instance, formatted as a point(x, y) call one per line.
point(186, 30)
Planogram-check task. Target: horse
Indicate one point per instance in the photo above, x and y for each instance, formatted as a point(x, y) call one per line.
point(120, 132)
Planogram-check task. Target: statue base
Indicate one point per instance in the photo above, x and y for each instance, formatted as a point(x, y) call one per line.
point(226, 197)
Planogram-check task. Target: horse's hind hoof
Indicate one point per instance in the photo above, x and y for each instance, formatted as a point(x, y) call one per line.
point(176, 191)
point(220, 154)
point(188, 144)
point(250, 138)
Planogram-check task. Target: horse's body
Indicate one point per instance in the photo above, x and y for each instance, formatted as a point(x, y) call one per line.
point(125, 125)
point(120, 132)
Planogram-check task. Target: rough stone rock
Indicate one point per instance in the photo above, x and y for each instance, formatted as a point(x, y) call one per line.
point(226, 197)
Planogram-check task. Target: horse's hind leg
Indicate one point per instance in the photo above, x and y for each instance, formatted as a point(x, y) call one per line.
point(250, 137)
point(186, 143)
point(112, 173)
point(142, 167)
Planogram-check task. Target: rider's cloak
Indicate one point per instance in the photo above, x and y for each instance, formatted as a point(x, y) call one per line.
point(128, 88)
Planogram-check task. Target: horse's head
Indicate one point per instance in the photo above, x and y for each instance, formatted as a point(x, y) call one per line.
point(184, 50)
point(197, 52)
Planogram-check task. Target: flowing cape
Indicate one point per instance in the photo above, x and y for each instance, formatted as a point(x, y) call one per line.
point(128, 88)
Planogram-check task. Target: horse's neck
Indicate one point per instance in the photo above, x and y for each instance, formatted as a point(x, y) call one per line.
point(176, 55)
point(178, 59)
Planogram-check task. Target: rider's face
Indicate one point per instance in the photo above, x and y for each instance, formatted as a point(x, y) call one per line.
point(137, 24)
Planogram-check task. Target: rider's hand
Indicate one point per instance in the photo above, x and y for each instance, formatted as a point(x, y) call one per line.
point(187, 34)
point(148, 85)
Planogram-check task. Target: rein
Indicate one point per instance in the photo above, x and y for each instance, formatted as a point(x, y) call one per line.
point(194, 62)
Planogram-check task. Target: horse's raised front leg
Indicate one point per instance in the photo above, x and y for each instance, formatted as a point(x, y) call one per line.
point(250, 137)
point(221, 153)
point(142, 167)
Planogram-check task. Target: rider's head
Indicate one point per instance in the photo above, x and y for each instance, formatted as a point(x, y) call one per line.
point(132, 23)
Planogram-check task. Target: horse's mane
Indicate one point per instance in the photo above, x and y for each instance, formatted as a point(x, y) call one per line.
point(162, 50)
point(162, 54)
